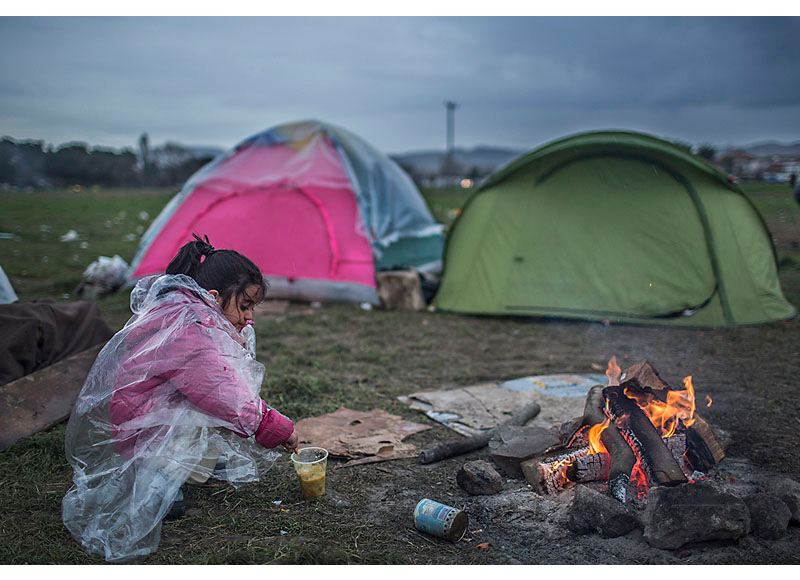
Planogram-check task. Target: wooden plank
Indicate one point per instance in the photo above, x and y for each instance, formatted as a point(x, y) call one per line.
point(41, 399)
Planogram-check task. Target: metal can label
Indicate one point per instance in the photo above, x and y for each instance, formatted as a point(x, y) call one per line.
point(440, 520)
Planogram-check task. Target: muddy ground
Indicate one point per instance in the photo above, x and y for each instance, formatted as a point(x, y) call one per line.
point(366, 515)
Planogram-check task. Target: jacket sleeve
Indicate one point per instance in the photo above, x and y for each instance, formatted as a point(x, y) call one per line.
point(275, 428)
point(209, 380)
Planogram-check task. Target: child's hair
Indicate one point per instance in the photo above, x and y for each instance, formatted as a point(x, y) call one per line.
point(227, 271)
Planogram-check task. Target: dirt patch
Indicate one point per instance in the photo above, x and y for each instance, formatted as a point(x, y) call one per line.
point(367, 512)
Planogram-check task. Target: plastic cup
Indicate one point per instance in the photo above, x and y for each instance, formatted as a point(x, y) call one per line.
point(309, 464)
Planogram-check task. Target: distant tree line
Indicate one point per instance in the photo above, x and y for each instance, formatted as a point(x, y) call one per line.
point(32, 164)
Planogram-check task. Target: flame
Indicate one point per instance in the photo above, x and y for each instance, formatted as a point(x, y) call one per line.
point(680, 405)
point(594, 437)
point(613, 372)
point(708, 401)
point(639, 479)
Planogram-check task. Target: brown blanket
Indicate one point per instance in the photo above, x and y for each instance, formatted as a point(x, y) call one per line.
point(38, 333)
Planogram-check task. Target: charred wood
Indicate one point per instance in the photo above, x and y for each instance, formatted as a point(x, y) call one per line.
point(657, 461)
point(621, 456)
point(644, 378)
point(547, 473)
point(703, 449)
point(677, 447)
point(593, 467)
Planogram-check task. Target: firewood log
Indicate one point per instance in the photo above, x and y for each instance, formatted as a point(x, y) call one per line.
point(590, 467)
point(640, 434)
point(644, 378)
point(547, 473)
point(621, 457)
point(479, 441)
point(703, 449)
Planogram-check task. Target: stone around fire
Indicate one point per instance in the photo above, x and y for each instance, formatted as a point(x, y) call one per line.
point(789, 491)
point(769, 516)
point(479, 478)
point(593, 511)
point(689, 513)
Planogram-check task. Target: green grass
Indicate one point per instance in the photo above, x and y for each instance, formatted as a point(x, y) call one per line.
point(776, 204)
point(41, 266)
point(313, 367)
point(442, 202)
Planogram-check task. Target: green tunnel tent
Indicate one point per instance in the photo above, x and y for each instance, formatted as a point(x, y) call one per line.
point(613, 225)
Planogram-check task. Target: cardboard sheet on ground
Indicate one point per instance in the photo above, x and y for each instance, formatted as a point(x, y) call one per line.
point(362, 436)
point(470, 410)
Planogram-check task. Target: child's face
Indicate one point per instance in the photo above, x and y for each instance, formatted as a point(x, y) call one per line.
point(240, 309)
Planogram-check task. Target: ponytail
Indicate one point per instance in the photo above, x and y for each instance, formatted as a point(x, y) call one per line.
point(188, 259)
point(227, 271)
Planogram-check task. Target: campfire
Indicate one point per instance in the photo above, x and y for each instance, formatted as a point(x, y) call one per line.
point(635, 433)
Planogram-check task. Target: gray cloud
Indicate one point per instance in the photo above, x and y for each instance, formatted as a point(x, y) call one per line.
point(520, 81)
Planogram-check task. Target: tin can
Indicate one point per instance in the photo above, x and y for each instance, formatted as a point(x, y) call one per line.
point(440, 520)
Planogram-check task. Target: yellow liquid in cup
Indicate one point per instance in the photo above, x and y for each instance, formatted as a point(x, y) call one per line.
point(313, 487)
point(311, 470)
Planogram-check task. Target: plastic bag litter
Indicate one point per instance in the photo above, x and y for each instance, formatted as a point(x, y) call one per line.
point(103, 276)
point(7, 294)
point(138, 429)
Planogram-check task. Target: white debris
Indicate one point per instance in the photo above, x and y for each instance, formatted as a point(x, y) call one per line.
point(101, 277)
point(70, 236)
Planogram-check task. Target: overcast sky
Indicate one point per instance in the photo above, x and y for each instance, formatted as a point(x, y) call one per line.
point(519, 81)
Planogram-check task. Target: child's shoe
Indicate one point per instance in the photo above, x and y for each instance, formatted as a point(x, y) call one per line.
point(178, 508)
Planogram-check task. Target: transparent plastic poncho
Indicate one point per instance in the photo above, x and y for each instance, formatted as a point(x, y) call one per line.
point(176, 386)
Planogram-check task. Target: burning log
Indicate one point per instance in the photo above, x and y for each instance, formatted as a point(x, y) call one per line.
point(641, 435)
point(622, 459)
point(644, 378)
point(547, 473)
point(634, 434)
point(676, 445)
point(582, 460)
point(592, 467)
point(703, 449)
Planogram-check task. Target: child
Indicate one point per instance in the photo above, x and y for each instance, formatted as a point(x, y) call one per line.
point(172, 398)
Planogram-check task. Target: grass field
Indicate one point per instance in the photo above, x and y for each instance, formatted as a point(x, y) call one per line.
point(338, 355)
point(110, 223)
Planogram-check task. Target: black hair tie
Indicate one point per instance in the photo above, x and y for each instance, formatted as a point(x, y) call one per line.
point(206, 249)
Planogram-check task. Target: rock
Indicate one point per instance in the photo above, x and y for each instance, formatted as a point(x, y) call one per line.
point(592, 511)
point(514, 444)
point(789, 491)
point(769, 516)
point(696, 512)
point(479, 478)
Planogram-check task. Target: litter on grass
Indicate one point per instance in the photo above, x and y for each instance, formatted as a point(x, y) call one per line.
point(362, 437)
point(473, 409)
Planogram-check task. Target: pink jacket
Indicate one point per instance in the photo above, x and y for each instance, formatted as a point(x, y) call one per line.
point(184, 353)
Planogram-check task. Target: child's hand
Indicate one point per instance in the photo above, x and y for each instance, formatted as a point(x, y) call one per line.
point(291, 443)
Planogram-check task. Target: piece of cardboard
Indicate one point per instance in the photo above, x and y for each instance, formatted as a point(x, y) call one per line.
point(365, 436)
point(471, 410)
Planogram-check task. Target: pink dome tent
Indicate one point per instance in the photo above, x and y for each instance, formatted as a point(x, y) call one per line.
point(315, 207)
